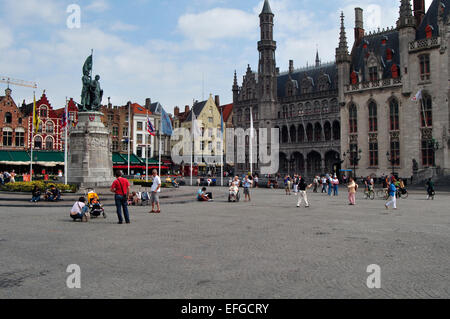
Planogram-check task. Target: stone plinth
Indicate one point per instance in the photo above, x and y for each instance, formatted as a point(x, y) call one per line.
point(90, 158)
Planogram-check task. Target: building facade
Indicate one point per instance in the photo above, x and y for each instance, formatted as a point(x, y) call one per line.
point(301, 103)
point(13, 125)
point(394, 91)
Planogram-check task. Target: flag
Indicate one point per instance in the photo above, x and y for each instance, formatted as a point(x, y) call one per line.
point(418, 96)
point(36, 119)
point(64, 120)
point(222, 126)
point(166, 124)
point(196, 131)
point(150, 128)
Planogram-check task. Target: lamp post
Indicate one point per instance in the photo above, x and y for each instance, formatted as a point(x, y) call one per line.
point(355, 156)
point(391, 159)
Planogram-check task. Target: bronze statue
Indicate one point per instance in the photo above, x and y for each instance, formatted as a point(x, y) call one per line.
point(91, 94)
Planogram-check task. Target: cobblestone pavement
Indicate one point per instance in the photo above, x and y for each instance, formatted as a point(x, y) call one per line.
point(264, 249)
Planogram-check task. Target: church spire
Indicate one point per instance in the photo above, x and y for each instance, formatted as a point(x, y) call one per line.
point(317, 58)
point(266, 8)
point(342, 50)
point(406, 17)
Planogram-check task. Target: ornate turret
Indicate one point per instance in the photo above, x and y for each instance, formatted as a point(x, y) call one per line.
point(342, 50)
point(406, 18)
point(235, 88)
point(317, 59)
point(267, 47)
point(343, 60)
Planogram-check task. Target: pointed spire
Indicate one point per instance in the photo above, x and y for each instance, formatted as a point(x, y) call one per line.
point(342, 51)
point(266, 8)
point(235, 78)
point(317, 58)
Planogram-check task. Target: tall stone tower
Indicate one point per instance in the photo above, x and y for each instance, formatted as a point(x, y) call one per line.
point(343, 62)
point(267, 74)
point(406, 26)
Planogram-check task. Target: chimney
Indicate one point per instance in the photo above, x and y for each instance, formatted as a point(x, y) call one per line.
point(419, 11)
point(176, 111)
point(359, 26)
point(278, 70)
point(109, 103)
point(148, 102)
point(217, 100)
point(291, 66)
point(186, 109)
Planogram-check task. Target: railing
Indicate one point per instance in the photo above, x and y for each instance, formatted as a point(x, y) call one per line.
point(424, 44)
point(385, 83)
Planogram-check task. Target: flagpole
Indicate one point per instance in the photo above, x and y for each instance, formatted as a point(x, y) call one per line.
point(66, 122)
point(129, 137)
point(146, 150)
point(192, 144)
point(32, 136)
point(160, 144)
point(251, 141)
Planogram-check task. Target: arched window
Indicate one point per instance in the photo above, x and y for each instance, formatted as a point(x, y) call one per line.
point(394, 115)
point(284, 135)
point(43, 112)
point(424, 61)
point(8, 118)
point(310, 132)
point(293, 134)
point(49, 143)
point(308, 108)
point(317, 132)
point(49, 127)
point(426, 113)
point(301, 134)
point(38, 142)
point(353, 118)
point(327, 131)
point(373, 120)
point(336, 131)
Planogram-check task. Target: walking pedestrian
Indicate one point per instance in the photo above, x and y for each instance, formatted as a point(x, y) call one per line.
point(156, 189)
point(329, 185)
point(316, 184)
point(121, 189)
point(335, 183)
point(303, 196)
point(430, 189)
point(295, 182)
point(392, 195)
point(287, 184)
point(352, 189)
point(256, 180)
point(324, 184)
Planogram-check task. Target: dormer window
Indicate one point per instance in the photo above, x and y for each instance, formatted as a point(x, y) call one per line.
point(373, 74)
point(307, 85)
point(324, 83)
point(389, 54)
point(429, 31)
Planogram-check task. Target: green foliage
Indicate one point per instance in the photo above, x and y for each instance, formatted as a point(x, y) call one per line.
point(27, 187)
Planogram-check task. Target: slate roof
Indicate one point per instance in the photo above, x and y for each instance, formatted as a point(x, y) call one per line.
point(198, 108)
point(314, 73)
point(374, 44)
point(431, 18)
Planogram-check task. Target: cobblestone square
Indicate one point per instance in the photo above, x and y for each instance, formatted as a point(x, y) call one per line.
point(264, 249)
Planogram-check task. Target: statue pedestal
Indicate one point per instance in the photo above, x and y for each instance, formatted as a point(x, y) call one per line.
point(90, 158)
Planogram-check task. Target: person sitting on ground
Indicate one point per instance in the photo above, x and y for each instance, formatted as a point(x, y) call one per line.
point(79, 210)
point(36, 195)
point(175, 183)
point(135, 199)
point(53, 194)
point(203, 196)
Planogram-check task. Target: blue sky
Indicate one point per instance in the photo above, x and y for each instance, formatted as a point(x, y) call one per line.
point(172, 51)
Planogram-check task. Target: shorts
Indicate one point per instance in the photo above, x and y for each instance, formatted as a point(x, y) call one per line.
point(155, 198)
point(246, 191)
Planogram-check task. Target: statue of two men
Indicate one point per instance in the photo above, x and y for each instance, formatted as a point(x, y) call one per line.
point(91, 94)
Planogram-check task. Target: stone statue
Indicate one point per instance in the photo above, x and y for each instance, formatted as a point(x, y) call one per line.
point(91, 94)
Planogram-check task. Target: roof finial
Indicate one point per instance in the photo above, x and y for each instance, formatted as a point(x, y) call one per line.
point(266, 8)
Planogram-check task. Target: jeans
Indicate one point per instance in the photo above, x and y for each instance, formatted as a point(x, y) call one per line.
point(303, 197)
point(330, 188)
point(336, 190)
point(36, 199)
point(121, 202)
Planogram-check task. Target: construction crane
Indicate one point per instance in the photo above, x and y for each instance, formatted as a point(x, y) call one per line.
point(8, 80)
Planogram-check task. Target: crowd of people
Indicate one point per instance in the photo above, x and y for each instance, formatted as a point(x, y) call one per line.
point(6, 177)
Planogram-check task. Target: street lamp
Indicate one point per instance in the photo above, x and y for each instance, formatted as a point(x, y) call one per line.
point(355, 156)
point(391, 159)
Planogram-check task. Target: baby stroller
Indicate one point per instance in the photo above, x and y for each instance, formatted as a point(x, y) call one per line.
point(95, 206)
point(234, 195)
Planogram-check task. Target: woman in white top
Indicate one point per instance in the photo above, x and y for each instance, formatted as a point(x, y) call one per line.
point(79, 210)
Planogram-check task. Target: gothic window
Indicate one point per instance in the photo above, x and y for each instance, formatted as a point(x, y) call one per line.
point(291, 111)
point(247, 115)
point(373, 119)
point(336, 131)
point(43, 112)
point(301, 134)
point(285, 114)
point(8, 118)
point(373, 154)
point(424, 67)
point(426, 114)
point(309, 132)
point(324, 83)
point(428, 156)
point(327, 131)
point(353, 119)
point(239, 116)
point(316, 107)
point(395, 152)
point(307, 85)
point(49, 143)
point(373, 73)
point(317, 132)
point(394, 115)
point(334, 105)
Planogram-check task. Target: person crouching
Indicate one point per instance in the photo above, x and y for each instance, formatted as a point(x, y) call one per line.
point(80, 211)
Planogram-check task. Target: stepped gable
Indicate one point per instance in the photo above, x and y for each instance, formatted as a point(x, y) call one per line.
point(375, 43)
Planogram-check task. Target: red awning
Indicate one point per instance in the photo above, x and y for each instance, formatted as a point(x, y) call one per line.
point(138, 167)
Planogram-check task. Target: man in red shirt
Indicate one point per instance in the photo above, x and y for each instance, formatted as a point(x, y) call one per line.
point(121, 187)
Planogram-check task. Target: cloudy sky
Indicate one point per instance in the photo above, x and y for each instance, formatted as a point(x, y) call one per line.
point(172, 51)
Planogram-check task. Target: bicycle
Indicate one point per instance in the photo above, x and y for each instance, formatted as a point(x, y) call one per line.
point(383, 194)
point(402, 193)
point(369, 194)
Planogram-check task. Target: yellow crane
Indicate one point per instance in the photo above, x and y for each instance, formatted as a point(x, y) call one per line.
point(8, 80)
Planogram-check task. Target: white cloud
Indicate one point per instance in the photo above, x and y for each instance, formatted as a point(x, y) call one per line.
point(216, 24)
point(6, 37)
point(120, 26)
point(40, 12)
point(98, 6)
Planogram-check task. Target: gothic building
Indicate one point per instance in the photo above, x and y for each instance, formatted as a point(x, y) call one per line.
point(302, 103)
point(393, 93)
